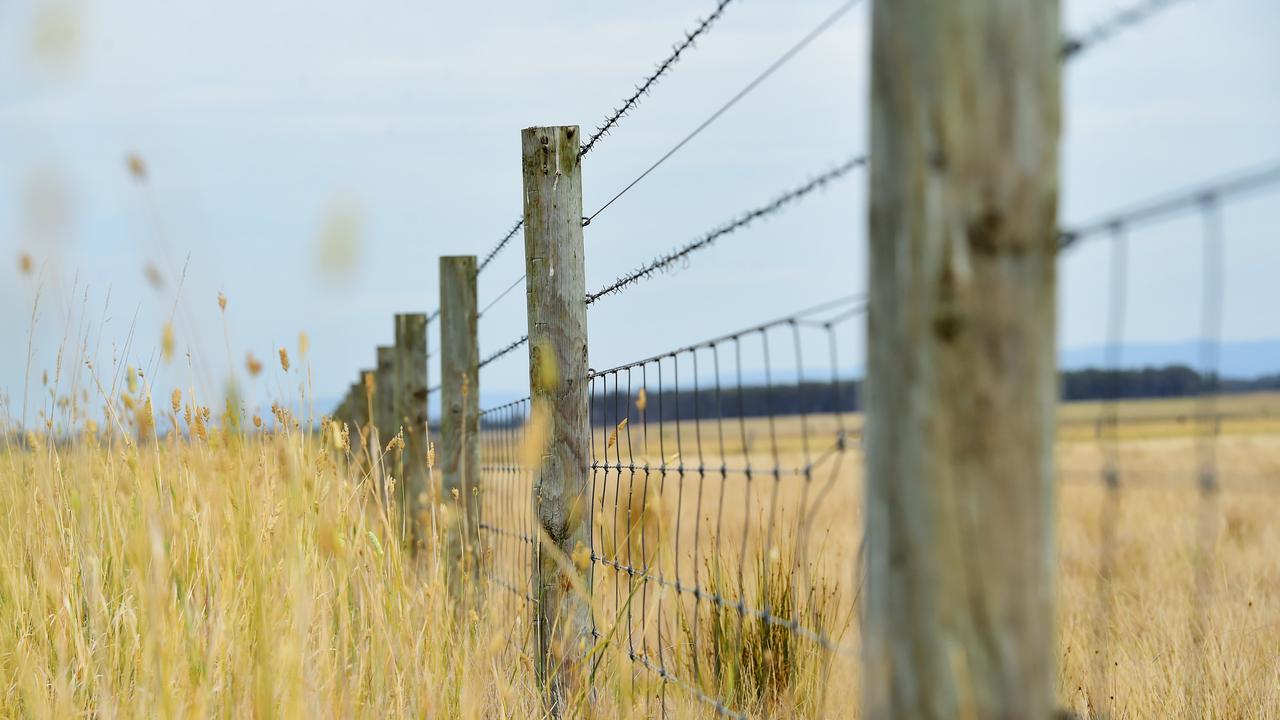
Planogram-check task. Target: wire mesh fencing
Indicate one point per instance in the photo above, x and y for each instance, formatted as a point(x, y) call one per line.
point(723, 514)
point(1199, 466)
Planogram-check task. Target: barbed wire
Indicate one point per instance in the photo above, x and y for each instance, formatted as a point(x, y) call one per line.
point(670, 258)
point(755, 82)
point(501, 244)
point(1108, 28)
point(514, 344)
point(618, 113)
point(1230, 186)
point(645, 85)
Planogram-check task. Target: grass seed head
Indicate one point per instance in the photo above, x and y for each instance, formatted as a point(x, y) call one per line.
point(167, 342)
point(137, 167)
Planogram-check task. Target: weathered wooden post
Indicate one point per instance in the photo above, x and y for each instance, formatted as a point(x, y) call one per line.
point(961, 381)
point(460, 413)
point(366, 398)
point(383, 380)
point(409, 408)
point(557, 309)
point(360, 403)
point(382, 421)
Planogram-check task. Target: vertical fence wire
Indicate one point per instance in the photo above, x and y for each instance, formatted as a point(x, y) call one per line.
point(1108, 429)
point(507, 526)
point(1209, 426)
point(713, 590)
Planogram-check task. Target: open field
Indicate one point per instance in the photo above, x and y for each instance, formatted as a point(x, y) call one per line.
point(255, 575)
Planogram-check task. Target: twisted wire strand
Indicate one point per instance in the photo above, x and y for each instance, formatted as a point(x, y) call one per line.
point(514, 344)
point(1235, 185)
point(668, 259)
point(1128, 17)
point(501, 244)
point(646, 85)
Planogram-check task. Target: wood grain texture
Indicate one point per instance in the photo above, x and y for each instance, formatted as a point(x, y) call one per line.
point(409, 406)
point(958, 620)
point(460, 410)
point(556, 294)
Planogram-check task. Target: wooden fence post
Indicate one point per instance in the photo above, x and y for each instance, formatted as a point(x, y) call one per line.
point(410, 412)
point(557, 311)
point(460, 413)
point(961, 383)
point(383, 416)
point(384, 378)
point(360, 403)
point(365, 406)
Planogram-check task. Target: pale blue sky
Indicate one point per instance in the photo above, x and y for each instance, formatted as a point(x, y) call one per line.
point(264, 124)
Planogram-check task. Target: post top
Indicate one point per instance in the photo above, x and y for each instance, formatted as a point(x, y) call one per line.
point(572, 129)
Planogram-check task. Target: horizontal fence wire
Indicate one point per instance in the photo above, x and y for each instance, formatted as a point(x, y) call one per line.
point(489, 256)
point(1126, 18)
point(647, 84)
point(1242, 183)
point(523, 339)
point(669, 259)
point(501, 295)
point(712, 471)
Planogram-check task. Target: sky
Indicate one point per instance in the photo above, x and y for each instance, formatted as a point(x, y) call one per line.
point(312, 160)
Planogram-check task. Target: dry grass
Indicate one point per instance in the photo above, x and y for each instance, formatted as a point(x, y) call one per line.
point(220, 574)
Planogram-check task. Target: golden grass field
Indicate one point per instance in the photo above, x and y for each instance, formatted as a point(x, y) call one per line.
point(258, 574)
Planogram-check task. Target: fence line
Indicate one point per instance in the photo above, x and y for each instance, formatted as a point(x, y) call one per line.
point(1108, 28)
point(1101, 32)
point(713, 465)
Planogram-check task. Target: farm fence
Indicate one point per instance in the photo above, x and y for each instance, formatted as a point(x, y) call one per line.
point(704, 523)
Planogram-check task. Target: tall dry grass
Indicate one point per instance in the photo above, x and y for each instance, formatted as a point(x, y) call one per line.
point(257, 572)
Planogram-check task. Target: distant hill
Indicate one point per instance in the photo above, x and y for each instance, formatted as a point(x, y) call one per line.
point(1249, 359)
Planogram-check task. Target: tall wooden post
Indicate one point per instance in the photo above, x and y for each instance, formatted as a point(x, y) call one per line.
point(556, 282)
point(409, 408)
point(460, 411)
point(384, 381)
point(366, 389)
point(961, 380)
point(360, 404)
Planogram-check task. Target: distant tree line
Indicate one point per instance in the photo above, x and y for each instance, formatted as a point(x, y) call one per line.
point(1169, 381)
point(847, 395)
